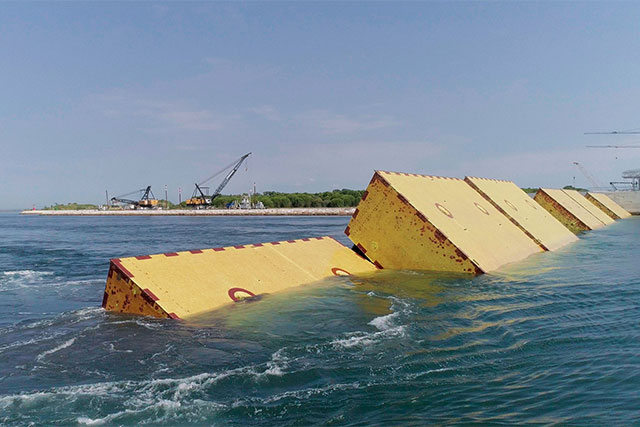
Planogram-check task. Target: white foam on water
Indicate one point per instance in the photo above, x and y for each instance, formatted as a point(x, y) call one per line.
point(277, 365)
point(28, 274)
point(12, 280)
point(44, 337)
point(113, 349)
point(65, 344)
point(387, 326)
point(427, 372)
point(384, 323)
point(365, 339)
point(305, 393)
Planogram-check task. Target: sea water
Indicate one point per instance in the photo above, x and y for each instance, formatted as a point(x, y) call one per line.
point(552, 339)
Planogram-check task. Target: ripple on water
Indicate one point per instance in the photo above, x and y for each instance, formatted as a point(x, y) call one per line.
point(554, 339)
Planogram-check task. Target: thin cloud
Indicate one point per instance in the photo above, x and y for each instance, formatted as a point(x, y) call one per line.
point(268, 112)
point(202, 120)
point(163, 115)
point(331, 123)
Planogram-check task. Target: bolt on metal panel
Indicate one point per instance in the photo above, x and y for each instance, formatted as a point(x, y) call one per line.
point(608, 206)
point(183, 284)
point(566, 210)
point(593, 210)
point(524, 212)
point(410, 221)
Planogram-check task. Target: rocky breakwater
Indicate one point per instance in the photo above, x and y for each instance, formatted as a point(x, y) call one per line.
point(201, 212)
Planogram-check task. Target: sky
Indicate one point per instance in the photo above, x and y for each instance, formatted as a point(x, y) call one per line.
point(100, 96)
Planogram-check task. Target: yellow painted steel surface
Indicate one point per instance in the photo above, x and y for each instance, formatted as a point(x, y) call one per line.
point(607, 205)
point(184, 284)
point(593, 210)
point(410, 221)
point(524, 212)
point(566, 210)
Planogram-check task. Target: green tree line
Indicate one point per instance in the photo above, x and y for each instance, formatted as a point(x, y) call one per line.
point(274, 199)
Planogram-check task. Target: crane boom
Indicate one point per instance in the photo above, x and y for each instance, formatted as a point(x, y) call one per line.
point(199, 199)
point(227, 178)
point(587, 175)
point(612, 146)
point(148, 200)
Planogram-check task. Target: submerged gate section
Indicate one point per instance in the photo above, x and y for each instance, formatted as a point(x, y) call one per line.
point(593, 210)
point(183, 284)
point(410, 221)
point(404, 221)
point(524, 212)
point(566, 210)
point(608, 206)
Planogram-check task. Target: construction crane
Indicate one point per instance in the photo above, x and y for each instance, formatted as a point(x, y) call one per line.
point(147, 201)
point(200, 199)
point(616, 132)
point(587, 175)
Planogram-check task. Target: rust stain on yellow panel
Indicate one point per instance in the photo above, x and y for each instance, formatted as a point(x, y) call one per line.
point(608, 206)
point(184, 284)
point(566, 210)
point(410, 221)
point(593, 210)
point(524, 212)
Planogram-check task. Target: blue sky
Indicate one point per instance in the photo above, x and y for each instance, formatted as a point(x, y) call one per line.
point(116, 96)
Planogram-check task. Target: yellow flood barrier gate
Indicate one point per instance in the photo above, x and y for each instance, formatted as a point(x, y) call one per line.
point(524, 212)
point(593, 210)
point(608, 206)
point(565, 209)
point(410, 221)
point(183, 284)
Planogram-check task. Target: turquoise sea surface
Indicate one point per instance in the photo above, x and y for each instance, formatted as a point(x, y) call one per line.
point(552, 339)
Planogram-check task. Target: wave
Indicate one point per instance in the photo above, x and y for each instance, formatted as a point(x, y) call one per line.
point(388, 327)
point(29, 274)
point(64, 345)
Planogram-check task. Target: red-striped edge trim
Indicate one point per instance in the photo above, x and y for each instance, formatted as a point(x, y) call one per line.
point(150, 294)
point(402, 199)
point(275, 243)
point(421, 216)
point(105, 297)
point(257, 245)
point(291, 241)
point(239, 246)
point(378, 176)
point(335, 240)
point(123, 270)
point(172, 315)
point(320, 238)
point(144, 257)
point(347, 230)
point(355, 213)
point(171, 254)
point(362, 249)
point(305, 239)
point(365, 194)
point(378, 265)
point(196, 251)
point(218, 249)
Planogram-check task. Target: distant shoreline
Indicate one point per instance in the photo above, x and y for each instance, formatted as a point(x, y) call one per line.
point(201, 212)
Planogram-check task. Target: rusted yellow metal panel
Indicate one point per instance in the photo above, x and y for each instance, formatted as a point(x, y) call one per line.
point(566, 210)
point(608, 206)
point(410, 221)
point(524, 212)
point(593, 210)
point(184, 284)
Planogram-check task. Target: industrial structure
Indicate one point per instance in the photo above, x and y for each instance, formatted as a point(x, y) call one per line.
point(404, 221)
point(200, 198)
point(146, 201)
